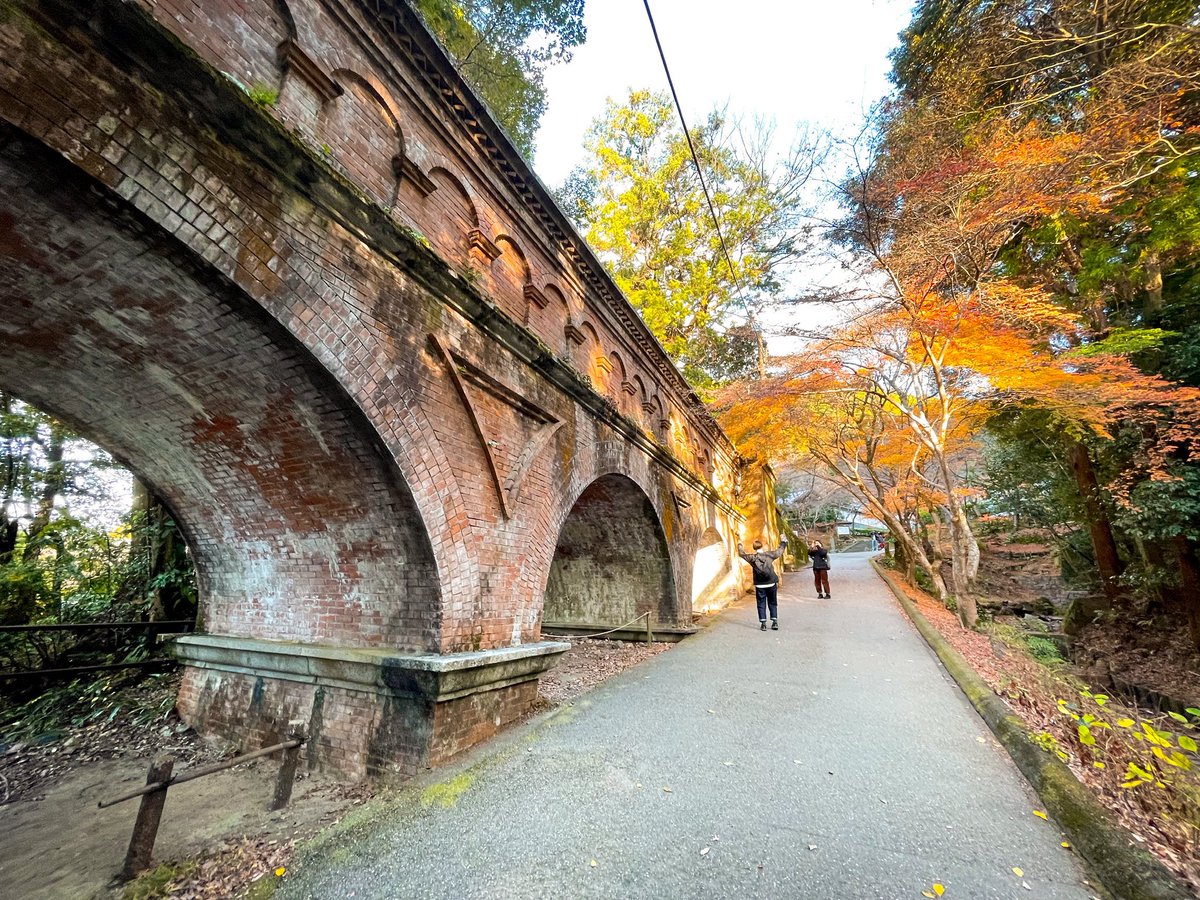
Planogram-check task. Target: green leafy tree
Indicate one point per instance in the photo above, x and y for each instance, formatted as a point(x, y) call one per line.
point(503, 49)
point(66, 552)
point(642, 206)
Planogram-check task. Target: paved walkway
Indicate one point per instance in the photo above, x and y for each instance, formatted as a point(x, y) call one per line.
point(830, 759)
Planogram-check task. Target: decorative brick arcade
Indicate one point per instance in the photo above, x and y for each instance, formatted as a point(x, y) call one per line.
point(278, 259)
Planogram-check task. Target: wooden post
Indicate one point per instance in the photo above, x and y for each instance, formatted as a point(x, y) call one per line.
point(287, 768)
point(145, 827)
point(649, 633)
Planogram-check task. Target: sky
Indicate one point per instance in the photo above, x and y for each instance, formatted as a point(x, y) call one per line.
point(792, 63)
point(822, 62)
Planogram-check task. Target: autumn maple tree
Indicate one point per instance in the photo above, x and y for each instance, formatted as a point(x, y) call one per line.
point(970, 227)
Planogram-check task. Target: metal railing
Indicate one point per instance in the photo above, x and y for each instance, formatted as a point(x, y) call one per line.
point(159, 778)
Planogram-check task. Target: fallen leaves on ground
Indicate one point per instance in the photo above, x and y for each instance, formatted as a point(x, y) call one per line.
point(1032, 692)
point(590, 662)
point(29, 768)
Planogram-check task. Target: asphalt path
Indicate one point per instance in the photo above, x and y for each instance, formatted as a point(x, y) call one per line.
point(833, 758)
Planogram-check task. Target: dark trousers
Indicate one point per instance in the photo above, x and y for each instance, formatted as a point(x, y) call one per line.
point(821, 577)
point(767, 597)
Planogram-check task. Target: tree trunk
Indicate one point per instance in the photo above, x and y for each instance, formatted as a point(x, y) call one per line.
point(1104, 543)
point(1153, 284)
point(914, 553)
point(156, 547)
point(1189, 576)
point(53, 486)
point(964, 562)
point(9, 529)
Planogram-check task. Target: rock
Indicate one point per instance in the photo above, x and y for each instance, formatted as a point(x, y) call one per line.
point(1097, 675)
point(1083, 611)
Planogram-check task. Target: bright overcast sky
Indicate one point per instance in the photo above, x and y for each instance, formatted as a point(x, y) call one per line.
point(818, 61)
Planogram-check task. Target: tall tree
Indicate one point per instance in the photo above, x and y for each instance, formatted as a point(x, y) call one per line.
point(1080, 125)
point(643, 207)
point(504, 49)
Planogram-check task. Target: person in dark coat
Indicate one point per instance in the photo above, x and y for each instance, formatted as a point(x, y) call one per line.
point(820, 563)
point(766, 582)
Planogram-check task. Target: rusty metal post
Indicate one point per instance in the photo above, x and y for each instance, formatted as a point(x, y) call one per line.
point(145, 827)
point(287, 768)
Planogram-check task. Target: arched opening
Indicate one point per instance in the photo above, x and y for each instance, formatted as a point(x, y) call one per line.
point(452, 215)
point(301, 527)
point(362, 135)
point(82, 541)
point(713, 578)
point(611, 563)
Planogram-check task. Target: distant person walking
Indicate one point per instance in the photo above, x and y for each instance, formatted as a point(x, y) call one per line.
point(820, 563)
point(766, 582)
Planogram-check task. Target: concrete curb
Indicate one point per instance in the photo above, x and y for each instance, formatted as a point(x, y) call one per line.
point(1126, 871)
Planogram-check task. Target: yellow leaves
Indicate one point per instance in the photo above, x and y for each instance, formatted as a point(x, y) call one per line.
point(1066, 845)
point(279, 872)
point(1187, 743)
point(1018, 871)
point(1040, 814)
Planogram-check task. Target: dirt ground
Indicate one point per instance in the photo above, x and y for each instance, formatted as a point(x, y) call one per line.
point(55, 843)
point(63, 846)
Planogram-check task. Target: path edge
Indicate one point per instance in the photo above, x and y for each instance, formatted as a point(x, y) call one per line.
point(1125, 871)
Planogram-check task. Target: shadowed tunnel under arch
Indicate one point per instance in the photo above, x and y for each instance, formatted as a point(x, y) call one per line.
point(611, 562)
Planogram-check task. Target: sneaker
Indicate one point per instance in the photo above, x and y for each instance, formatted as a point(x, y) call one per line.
point(827, 597)
point(774, 624)
point(762, 626)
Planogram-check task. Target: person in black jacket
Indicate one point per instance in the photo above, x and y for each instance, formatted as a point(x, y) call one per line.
point(820, 563)
point(766, 583)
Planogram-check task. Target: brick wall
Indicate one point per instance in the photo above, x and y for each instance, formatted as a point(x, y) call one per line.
point(384, 110)
point(364, 446)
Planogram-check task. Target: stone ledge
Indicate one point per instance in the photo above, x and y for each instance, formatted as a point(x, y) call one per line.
point(433, 677)
point(633, 633)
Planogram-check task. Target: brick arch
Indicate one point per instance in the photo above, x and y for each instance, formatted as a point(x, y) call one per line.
point(301, 524)
point(619, 378)
point(611, 559)
point(658, 416)
point(550, 322)
point(451, 214)
point(361, 129)
point(261, 26)
point(590, 352)
point(640, 398)
point(508, 276)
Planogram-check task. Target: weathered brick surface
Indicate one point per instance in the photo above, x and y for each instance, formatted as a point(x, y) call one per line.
point(242, 303)
point(611, 563)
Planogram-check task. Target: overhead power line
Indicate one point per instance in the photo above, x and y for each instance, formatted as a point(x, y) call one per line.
point(692, 147)
point(737, 282)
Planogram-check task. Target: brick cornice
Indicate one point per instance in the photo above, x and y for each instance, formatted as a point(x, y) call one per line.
point(413, 40)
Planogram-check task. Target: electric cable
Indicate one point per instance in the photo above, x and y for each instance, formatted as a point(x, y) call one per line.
point(703, 183)
point(691, 147)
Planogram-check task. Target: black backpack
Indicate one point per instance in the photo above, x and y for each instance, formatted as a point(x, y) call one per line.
point(764, 569)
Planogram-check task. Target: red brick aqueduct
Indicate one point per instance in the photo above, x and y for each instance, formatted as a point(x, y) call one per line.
point(277, 257)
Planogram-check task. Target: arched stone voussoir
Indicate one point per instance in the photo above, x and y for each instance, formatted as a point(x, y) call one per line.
point(301, 525)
